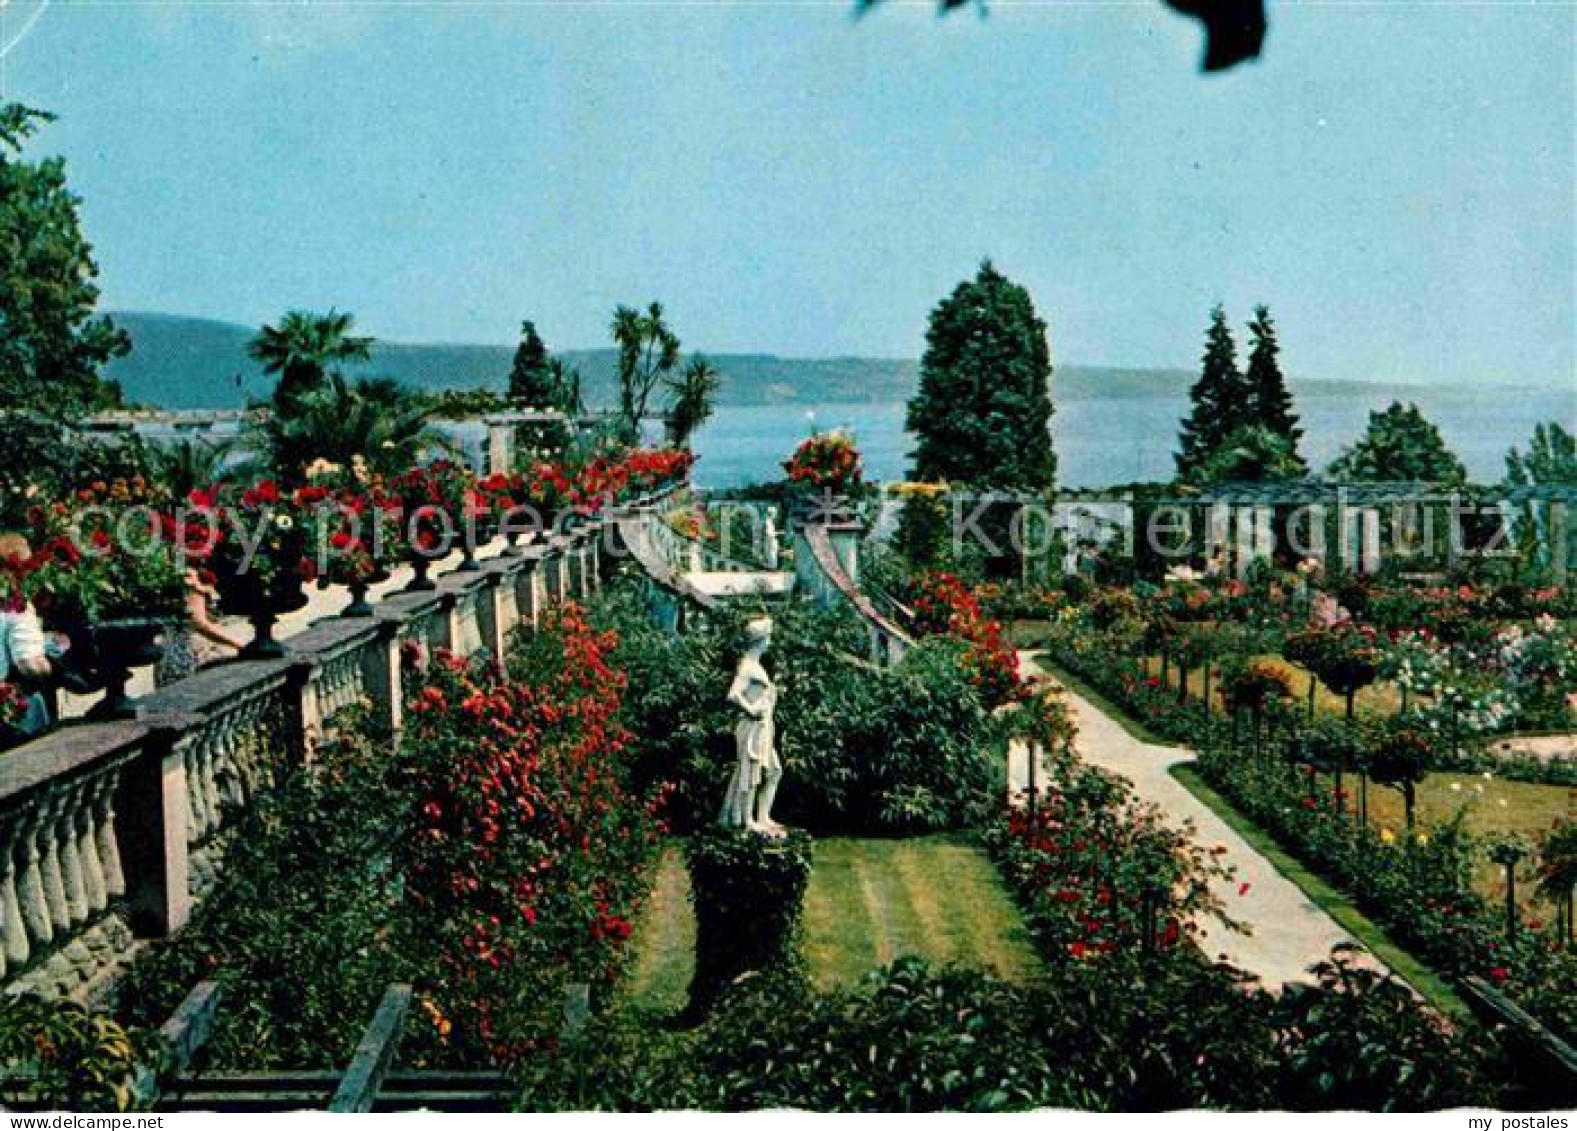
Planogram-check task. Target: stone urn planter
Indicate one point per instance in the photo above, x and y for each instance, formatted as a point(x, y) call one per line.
point(262, 604)
point(114, 647)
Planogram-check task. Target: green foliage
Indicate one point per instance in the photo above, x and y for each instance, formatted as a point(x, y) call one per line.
point(1133, 1035)
point(299, 932)
point(1222, 400)
point(1271, 405)
point(374, 422)
point(648, 355)
point(982, 414)
point(45, 463)
point(1251, 454)
point(51, 345)
point(530, 380)
point(302, 349)
point(748, 892)
point(864, 749)
point(59, 1056)
point(1551, 458)
point(1399, 444)
point(693, 393)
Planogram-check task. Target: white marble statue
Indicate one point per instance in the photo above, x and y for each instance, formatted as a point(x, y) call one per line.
point(748, 803)
point(769, 540)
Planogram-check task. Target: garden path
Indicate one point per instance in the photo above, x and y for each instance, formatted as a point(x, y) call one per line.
point(1288, 932)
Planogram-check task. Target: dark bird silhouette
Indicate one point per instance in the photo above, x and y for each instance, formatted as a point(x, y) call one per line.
point(1234, 29)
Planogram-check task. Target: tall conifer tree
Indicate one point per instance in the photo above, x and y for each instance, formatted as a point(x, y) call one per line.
point(982, 415)
point(1220, 398)
point(1269, 398)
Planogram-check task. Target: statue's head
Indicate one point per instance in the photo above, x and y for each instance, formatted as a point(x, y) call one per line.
point(758, 633)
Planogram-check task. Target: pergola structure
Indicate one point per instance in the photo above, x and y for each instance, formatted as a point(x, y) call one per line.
point(1232, 524)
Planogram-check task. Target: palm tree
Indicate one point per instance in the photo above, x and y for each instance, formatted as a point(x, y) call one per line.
point(303, 346)
point(377, 420)
point(187, 465)
point(648, 353)
point(693, 393)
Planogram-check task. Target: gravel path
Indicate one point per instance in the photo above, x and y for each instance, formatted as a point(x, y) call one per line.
point(1288, 933)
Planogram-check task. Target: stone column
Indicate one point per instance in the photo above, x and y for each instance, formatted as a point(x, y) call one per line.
point(1369, 540)
point(151, 812)
point(500, 446)
point(381, 675)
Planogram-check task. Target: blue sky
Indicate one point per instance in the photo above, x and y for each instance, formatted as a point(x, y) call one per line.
point(1395, 179)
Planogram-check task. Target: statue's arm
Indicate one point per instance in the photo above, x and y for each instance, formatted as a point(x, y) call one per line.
point(739, 694)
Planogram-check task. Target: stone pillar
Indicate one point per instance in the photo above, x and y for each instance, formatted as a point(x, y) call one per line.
point(1243, 540)
point(151, 811)
point(1218, 535)
point(489, 621)
point(500, 446)
point(1264, 532)
point(381, 675)
point(1369, 540)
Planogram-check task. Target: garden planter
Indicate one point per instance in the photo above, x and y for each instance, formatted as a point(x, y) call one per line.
point(116, 646)
point(421, 583)
point(359, 605)
point(262, 603)
point(477, 534)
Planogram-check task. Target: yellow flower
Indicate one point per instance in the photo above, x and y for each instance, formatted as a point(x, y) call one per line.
point(1387, 836)
point(1422, 838)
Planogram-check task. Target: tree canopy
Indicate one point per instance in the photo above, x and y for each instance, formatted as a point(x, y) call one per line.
point(51, 344)
point(1551, 458)
point(531, 377)
point(982, 414)
point(1270, 401)
point(1400, 444)
point(303, 348)
point(1222, 400)
point(648, 355)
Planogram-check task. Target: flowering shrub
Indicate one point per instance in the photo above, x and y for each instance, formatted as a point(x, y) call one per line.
point(524, 861)
point(257, 542)
point(827, 461)
point(942, 603)
point(1250, 686)
point(98, 561)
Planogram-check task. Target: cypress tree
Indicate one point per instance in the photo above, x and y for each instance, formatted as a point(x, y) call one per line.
point(1220, 399)
point(1269, 398)
point(982, 414)
point(531, 378)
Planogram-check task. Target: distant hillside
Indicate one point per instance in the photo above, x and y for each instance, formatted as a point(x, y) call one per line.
point(181, 362)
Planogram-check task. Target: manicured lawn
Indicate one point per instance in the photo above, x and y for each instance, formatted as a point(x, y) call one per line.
point(869, 902)
point(1491, 806)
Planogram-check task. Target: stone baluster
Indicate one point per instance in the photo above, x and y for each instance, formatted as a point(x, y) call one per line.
point(32, 888)
point(102, 808)
point(73, 884)
point(14, 946)
point(44, 830)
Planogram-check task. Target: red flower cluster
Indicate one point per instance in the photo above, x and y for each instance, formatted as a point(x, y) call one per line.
point(942, 603)
point(827, 461)
point(526, 849)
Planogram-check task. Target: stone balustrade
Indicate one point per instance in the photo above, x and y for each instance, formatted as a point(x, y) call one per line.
point(110, 832)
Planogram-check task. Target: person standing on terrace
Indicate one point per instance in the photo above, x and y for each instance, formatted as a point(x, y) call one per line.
point(24, 649)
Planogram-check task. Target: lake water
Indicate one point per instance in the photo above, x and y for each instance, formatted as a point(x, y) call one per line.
point(1106, 440)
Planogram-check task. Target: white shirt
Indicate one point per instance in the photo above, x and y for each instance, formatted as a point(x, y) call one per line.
point(21, 644)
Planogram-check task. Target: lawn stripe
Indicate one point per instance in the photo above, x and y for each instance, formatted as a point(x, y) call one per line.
point(664, 941)
point(837, 941)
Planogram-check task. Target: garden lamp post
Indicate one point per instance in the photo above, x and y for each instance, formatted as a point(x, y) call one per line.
point(1508, 854)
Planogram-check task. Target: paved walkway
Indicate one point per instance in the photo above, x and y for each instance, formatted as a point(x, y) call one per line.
point(1288, 933)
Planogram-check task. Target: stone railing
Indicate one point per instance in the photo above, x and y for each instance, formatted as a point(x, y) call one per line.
point(826, 556)
point(111, 831)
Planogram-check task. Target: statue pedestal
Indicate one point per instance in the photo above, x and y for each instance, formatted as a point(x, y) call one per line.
point(748, 891)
